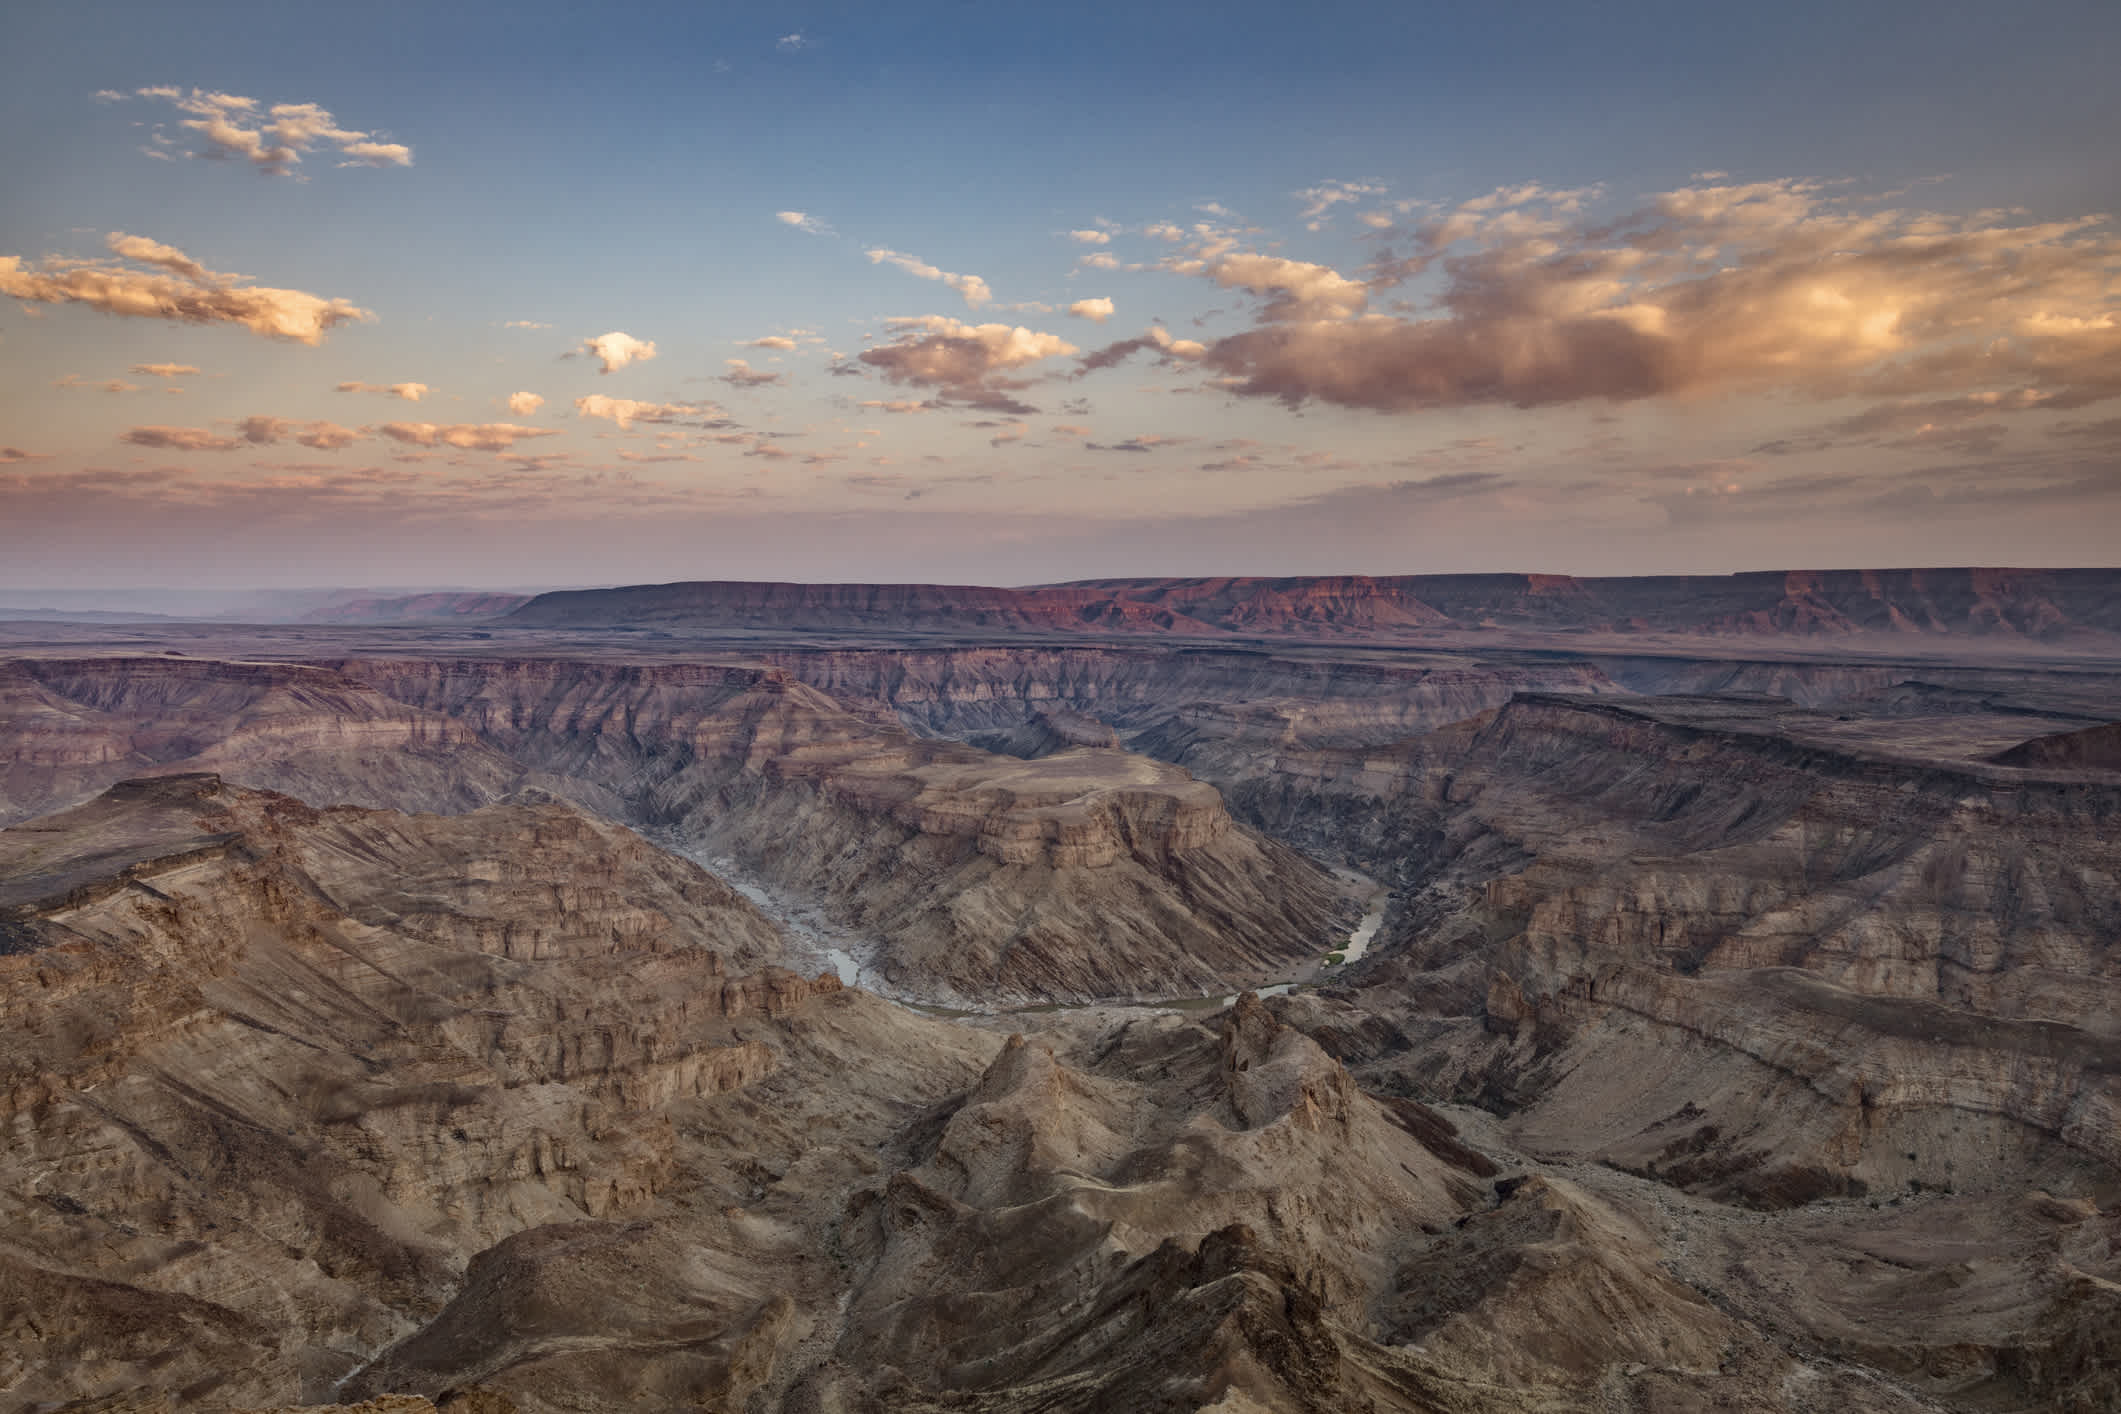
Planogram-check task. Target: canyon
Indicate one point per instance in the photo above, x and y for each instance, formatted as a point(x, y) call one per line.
point(848, 998)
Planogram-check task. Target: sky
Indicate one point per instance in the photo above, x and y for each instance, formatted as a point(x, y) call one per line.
point(536, 295)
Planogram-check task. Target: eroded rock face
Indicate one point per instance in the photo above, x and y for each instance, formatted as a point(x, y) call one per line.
point(1789, 1030)
point(1087, 872)
point(269, 1075)
point(75, 726)
point(1864, 956)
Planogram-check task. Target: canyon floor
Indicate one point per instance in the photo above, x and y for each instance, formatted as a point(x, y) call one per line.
point(549, 1014)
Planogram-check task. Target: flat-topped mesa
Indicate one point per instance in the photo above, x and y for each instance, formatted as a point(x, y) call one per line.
point(2041, 605)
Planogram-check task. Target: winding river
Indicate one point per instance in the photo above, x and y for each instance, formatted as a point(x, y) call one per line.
point(816, 943)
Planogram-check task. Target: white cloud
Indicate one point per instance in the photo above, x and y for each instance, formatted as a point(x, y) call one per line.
point(803, 221)
point(178, 288)
point(627, 411)
point(771, 341)
point(525, 324)
point(615, 350)
point(524, 404)
point(972, 287)
point(165, 370)
point(1091, 237)
point(1097, 311)
point(790, 43)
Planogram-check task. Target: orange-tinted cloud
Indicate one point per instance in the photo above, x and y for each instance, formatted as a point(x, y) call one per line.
point(410, 392)
point(472, 436)
point(174, 287)
point(1769, 285)
point(273, 140)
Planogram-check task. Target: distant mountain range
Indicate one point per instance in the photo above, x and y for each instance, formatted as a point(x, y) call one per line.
point(2058, 606)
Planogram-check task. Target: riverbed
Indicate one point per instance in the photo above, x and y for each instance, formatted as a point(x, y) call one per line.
point(816, 944)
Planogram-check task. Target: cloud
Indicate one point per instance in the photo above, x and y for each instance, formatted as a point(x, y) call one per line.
point(1156, 338)
point(963, 360)
point(1300, 289)
point(1135, 444)
point(972, 287)
point(627, 411)
point(165, 370)
point(472, 436)
point(274, 141)
point(616, 350)
point(11, 455)
point(803, 221)
point(1320, 199)
point(898, 405)
point(410, 392)
point(1091, 237)
point(742, 375)
point(771, 341)
point(524, 324)
point(114, 385)
point(250, 431)
point(1097, 311)
point(790, 43)
point(180, 439)
point(524, 404)
point(174, 287)
point(324, 436)
point(143, 251)
point(1771, 285)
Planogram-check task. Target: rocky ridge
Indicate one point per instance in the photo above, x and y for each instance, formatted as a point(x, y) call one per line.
point(2041, 605)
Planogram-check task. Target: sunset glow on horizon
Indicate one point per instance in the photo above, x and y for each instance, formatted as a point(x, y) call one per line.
point(549, 296)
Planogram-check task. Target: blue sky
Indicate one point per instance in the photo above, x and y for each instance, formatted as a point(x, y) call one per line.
point(1392, 289)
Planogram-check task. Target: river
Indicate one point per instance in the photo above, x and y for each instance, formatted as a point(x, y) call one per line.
point(815, 943)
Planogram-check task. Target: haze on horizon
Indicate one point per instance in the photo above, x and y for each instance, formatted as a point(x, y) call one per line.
point(477, 296)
